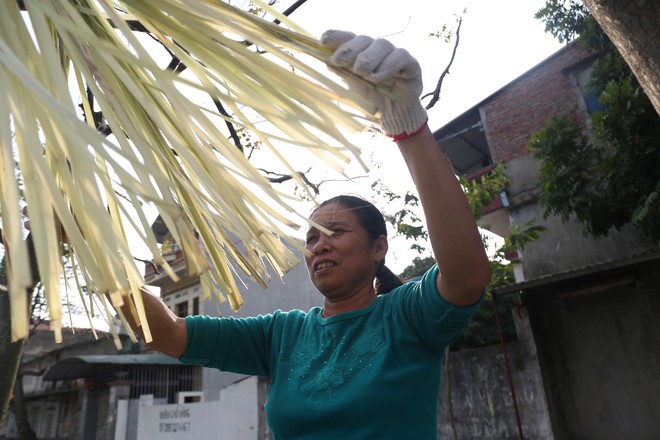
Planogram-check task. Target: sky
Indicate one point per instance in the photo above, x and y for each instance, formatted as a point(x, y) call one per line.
point(499, 41)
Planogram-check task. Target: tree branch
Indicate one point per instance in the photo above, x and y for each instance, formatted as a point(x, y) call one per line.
point(232, 130)
point(150, 263)
point(291, 9)
point(436, 93)
point(281, 178)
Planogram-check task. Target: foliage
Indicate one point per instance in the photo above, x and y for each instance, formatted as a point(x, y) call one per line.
point(417, 268)
point(565, 20)
point(483, 190)
point(405, 221)
point(519, 238)
point(603, 173)
point(482, 329)
point(447, 32)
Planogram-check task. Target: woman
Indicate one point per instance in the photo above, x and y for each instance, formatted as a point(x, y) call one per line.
point(364, 366)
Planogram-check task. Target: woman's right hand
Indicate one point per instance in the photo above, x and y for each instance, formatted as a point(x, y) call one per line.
point(386, 67)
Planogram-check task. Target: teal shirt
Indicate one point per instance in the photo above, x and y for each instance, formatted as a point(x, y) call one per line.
point(372, 373)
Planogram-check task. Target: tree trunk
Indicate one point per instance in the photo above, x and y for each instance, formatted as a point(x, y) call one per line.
point(10, 356)
point(11, 353)
point(25, 431)
point(450, 402)
point(634, 28)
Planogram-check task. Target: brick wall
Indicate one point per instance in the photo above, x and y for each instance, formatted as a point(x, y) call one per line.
point(521, 108)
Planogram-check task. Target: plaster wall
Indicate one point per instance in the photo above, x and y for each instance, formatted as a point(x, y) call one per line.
point(598, 347)
point(482, 404)
point(561, 246)
point(233, 417)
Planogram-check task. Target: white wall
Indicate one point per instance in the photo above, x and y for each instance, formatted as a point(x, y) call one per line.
point(234, 417)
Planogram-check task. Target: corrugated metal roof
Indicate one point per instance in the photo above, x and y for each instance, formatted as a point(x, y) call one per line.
point(89, 366)
point(579, 271)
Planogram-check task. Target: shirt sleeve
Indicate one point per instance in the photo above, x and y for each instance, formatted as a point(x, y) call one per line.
point(239, 345)
point(436, 322)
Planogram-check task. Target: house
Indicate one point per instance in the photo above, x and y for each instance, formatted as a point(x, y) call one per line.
point(53, 408)
point(87, 390)
point(586, 361)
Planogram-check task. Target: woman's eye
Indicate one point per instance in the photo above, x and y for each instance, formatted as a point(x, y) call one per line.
point(310, 240)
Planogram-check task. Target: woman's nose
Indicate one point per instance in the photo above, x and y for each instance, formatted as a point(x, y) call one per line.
point(321, 244)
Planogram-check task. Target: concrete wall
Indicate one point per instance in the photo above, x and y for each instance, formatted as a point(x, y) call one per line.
point(233, 417)
point(598, 340)
point(293, 291)
point(481, 399)
point(562, 246)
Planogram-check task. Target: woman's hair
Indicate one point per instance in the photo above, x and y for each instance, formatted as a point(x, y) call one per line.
point(372, 220)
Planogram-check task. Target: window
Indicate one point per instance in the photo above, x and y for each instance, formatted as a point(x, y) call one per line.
point(165, 381)
point(195, 306)
point(48, 427)
point(590, 98)
point(181, 309)
point(190, 397)
point(465, 144)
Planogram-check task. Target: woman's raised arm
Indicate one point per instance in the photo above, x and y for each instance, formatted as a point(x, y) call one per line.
point(455, 239)
point(457, 246)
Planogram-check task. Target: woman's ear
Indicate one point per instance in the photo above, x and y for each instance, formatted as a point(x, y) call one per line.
point(381, 246)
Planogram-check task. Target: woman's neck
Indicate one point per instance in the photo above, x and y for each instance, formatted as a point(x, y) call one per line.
point(357, 301)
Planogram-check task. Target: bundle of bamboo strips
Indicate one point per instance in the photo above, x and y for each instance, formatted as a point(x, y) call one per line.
point(166, 149)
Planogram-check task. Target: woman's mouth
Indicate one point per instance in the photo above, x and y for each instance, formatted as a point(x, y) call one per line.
point(324, 265)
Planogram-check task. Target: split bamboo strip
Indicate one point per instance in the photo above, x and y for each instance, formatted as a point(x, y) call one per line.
point(167, 150)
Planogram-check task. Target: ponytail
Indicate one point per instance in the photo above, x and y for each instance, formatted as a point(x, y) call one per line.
point(386, 280)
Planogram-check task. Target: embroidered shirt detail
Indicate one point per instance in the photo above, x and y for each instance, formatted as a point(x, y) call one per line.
point(325, 371)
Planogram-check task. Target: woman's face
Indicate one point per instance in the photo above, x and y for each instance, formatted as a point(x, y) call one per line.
point(344, 262)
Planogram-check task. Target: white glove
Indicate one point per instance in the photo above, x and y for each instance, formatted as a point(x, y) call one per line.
point(379, 62)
